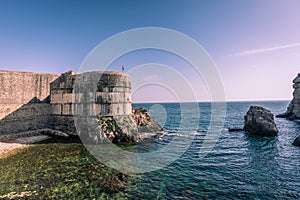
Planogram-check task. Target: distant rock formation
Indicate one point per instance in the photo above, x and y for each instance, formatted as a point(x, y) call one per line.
point(297, 141)
point(260, 121)
point(293, 110)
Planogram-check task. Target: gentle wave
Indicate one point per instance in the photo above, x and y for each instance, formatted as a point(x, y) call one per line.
point(239, 166)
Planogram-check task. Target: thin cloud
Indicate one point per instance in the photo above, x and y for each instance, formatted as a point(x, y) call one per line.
point(256, 51)
point(296, 54)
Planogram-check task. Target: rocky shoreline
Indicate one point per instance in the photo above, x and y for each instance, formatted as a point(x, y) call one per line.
point(130, 130)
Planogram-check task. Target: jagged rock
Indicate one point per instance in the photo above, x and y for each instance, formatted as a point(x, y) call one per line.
point(293, 110)
point(260, 121)
point(297, 141)
point(145, 122)
point(121, 129)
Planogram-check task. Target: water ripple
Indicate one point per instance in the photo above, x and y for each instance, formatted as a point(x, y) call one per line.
point(240, 166)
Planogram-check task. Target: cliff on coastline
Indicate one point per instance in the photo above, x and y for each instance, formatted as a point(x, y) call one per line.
point(293, 110)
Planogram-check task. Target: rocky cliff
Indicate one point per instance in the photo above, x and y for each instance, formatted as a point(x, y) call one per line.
point(293, 110)
point(121, 128)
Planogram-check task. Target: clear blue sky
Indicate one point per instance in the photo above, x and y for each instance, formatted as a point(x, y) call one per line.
point(255, 44)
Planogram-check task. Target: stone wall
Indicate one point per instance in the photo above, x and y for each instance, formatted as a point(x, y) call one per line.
point(100, 103)
point(89, 94)
point(95, 93)
point(28, 117)
point(19, 88)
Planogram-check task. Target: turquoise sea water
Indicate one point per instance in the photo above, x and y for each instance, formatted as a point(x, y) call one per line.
point(240, 166)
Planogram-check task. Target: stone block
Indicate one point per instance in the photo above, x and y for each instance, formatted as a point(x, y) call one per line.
point(56, 109)
point(67, 109)
point(67, 98)
point(56, 98)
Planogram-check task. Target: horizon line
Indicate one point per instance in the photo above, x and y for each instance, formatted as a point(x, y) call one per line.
point(227, 101)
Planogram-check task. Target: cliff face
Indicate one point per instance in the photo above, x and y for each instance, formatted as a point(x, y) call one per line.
point(293, 110)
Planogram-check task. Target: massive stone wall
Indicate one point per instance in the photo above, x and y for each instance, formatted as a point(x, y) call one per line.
point(19, 88)
point(100, 102)
point(28, 117)
point(93, 94)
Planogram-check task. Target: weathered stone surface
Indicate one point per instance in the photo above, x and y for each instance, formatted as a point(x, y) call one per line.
point(101, 101)
point(31, 139)
point(28, 117)
point(297, 141)
point(293, 110)
point(52, 132)
point(19, 88)
point(260, 121)
point(92, 93)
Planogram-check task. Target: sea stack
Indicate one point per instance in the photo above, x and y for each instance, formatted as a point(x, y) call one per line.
point(260, 121)
point(293, 110)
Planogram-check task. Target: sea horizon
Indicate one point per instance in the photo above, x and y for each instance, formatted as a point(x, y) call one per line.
point(226, 101)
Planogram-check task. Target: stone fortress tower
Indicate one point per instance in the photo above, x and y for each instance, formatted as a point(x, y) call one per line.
point(38, 101)
point(111, 95)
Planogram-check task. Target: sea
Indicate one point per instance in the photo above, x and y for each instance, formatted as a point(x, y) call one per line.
point(238, 165)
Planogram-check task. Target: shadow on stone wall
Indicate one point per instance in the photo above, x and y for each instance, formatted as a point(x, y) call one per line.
point(33, 115)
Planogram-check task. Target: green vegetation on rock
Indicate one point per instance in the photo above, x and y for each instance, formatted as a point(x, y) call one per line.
point(58, 171)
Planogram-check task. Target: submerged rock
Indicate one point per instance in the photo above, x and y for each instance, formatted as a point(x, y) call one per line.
point(293, 110)
point(260, 121)
point(297, 141)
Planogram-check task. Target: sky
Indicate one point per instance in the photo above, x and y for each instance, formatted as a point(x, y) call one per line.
point(255, 44)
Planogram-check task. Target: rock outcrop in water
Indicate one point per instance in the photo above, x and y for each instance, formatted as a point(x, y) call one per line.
point(293, 110)
point(260, 121)
point(297, 141)
point(145, 122)
point(122, 129)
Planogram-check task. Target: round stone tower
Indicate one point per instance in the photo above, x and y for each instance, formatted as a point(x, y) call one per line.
point(104, 93)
